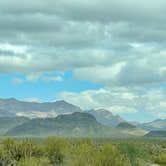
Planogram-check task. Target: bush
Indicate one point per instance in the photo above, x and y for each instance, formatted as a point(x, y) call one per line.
point(82, 153)
point(34, 162)
point(134, 152)
point(55, 150)
point(110, 156)
point(160, 159)
point(6, 159)
point(13, 151)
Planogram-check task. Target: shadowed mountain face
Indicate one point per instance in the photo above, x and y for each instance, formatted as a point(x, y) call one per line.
point(12, 107)
point(125, 125)
point(131, 129)
point(106, 117)
point(156, 134)
point(159, 124)
point(7, 123)
point(73, 125)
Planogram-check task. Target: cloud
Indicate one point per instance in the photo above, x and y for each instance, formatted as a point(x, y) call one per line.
point(121, 100)
point(35, 77)
point(117, 100)
point(17, 81)
point(142, 64)
point(52, 79)
point(119, 44)
point(110, 42)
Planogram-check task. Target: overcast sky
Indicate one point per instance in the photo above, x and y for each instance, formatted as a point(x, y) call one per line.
point(96, 54)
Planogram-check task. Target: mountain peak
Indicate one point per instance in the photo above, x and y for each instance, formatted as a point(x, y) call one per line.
point(101, 110)
point(61, 102)
point(9, 99)
point(12, 99)
point(106, 117)
point(125, 125)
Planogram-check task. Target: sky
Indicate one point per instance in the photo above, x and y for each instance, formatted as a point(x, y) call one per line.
point(94, 54)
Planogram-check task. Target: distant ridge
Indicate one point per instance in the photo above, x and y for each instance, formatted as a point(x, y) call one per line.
point(106, 117)
point(72, 125)
point(158, 124)
point(157, 134)
point(126, 125)
point(14, 107)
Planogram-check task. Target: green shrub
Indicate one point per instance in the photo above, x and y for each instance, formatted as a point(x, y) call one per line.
point(160, 159)
point(134, 152)
point(55, 150)
point(6, 159)
point(14, 151)
point(110, 156)
point(88, 153)
point(83, 153)
point(28, 149)
point(34, 162)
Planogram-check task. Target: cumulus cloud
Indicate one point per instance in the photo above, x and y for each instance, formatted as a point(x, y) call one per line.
point(110, 42)
point(121, 100)
point(119, 44)
point(117, 100)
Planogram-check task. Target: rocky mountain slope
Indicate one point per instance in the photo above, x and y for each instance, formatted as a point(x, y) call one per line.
point(73, 125)
point(13, 107)
point(106, 117)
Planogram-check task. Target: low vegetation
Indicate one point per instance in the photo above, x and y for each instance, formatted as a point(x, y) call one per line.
point(82, 152)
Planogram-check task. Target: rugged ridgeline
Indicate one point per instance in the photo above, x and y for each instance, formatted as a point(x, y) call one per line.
point(159, 124)
point(64, 119)
point(73, 125)
point(13, 107)
point(106, 117)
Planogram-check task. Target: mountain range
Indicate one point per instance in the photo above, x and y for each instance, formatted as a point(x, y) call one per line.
point(158, 124)
point(21, 118)
point(13, 107)
point(73, 125)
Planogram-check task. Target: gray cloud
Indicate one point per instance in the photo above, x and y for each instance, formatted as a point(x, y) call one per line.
point(120, 44)
point(110, 42)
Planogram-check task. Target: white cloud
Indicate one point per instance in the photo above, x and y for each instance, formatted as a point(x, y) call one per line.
point(17, 81)
point(116, 100)
point(52, 79)
point(33, 77)
point(121, 100)
point(13, 48)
